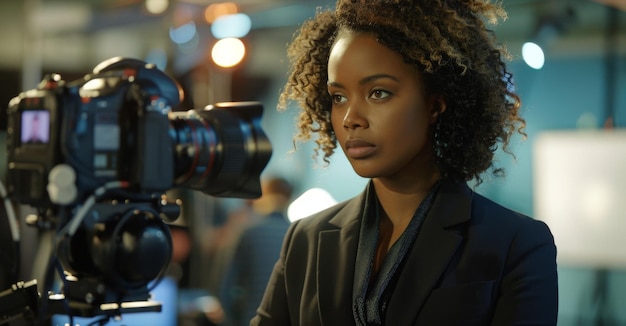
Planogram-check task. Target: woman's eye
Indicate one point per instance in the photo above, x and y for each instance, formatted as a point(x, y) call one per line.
point(379, 94)
point(338, 98)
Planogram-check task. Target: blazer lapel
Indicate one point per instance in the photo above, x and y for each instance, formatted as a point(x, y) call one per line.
point(335, 266)
point(433, 248)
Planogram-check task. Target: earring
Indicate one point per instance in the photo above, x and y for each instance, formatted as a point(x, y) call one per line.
point(437, 144)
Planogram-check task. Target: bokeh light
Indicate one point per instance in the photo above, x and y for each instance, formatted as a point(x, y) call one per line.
point(310, 202)
point(237, 25)
point(156, 7)
point(533, 55)
point(228, 52)
point(216, 10)
point(184, 33)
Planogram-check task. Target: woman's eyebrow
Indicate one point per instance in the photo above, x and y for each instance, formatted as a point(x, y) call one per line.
point(366, 80)
point(372, 78)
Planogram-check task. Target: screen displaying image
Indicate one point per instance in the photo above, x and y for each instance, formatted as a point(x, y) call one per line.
point(35, 127)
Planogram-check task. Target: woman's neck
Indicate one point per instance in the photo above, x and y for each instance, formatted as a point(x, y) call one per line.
point(400, 198)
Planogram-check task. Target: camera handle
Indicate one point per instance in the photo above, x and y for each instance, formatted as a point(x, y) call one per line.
point(22, 302)
point(19, 301)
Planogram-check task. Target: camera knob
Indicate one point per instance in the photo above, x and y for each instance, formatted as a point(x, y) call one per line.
point(62, 184)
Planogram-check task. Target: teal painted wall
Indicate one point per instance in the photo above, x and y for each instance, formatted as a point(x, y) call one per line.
point(559, 97)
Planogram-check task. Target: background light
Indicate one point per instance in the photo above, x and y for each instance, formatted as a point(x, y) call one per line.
point(216, 10)
point(310, 202)
point(228, 52)
point(237, 25)
point(533, 55)
point(183, 33)
point(156, 7)
point(579, 184)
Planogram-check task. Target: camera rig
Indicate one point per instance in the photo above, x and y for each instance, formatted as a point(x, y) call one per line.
point(95, 156)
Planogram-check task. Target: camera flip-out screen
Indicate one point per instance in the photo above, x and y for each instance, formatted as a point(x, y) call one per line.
point(35, 128)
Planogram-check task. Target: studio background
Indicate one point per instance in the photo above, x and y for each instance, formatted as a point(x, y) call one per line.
point(580, 87)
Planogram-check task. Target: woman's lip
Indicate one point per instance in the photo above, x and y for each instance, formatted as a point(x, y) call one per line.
point(357, 148)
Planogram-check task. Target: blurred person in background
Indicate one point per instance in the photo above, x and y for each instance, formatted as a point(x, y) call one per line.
point(219, 243)
point(256, 252)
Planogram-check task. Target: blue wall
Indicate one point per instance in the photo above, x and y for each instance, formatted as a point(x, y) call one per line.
point(564, 94)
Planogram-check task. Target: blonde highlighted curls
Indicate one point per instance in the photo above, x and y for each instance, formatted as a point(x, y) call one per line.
point(449, 41)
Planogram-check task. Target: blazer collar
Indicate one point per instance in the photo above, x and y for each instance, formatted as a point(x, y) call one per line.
point(434, 247)
point(426, 261)
point(350, 213)
point(336, 253)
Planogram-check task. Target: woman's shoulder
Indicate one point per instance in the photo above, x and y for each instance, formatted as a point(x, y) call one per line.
point(334, 216)
point(484, 206)
point(487, 212)
point(458, 198)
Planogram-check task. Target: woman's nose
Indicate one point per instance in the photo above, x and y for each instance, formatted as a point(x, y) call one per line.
point(354, 118)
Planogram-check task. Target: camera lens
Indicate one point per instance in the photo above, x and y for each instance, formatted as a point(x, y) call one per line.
point(221, 150)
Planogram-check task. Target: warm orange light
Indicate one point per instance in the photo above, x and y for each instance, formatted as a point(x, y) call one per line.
point(228, 52)
point(215, 10)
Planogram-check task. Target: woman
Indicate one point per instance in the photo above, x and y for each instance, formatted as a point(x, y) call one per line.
point(418, 97)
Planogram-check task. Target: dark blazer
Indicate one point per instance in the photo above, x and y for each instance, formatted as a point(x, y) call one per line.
point(474, 262)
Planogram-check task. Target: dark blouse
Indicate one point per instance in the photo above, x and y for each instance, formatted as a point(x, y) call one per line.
point(370, 292)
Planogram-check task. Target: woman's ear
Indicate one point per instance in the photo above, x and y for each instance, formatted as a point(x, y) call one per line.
point(437, 107)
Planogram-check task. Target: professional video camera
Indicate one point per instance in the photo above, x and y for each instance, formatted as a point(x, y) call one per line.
point(95, 157)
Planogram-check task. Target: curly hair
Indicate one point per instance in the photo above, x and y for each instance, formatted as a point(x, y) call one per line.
point(448, 40)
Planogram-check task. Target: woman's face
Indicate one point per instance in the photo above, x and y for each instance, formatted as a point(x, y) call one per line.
point(380, 112)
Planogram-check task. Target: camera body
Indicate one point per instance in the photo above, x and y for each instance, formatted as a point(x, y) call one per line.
point(113, 125)
point(96, 155)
